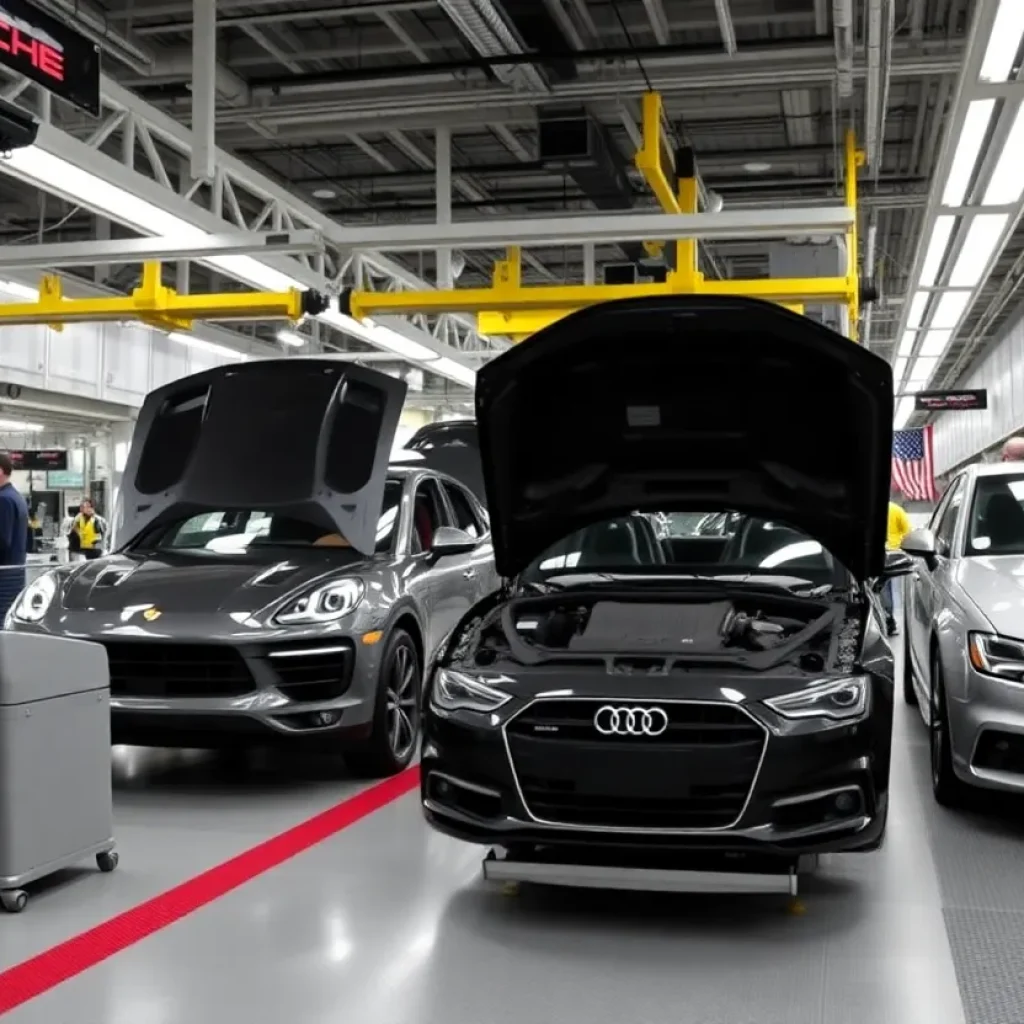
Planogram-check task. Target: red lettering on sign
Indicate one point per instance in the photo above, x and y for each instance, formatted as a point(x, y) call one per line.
point(42, 57)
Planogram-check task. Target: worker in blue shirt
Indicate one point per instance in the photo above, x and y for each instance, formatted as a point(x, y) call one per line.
point(13, 537)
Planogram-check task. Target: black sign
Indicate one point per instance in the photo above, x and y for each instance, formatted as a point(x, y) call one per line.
point(944, 401)
point(40, 458)
point(50, 53)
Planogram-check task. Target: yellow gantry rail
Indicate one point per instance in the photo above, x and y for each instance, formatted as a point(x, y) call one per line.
point(509, 308)
point(154, 304)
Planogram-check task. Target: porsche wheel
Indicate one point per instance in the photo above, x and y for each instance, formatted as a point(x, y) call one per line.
point(396, 721)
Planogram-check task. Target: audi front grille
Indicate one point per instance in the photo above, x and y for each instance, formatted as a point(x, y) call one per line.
point(626, 765)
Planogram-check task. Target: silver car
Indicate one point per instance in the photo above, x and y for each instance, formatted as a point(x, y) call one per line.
point(965, 632)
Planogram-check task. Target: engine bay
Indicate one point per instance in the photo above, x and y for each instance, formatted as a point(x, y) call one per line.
point(757, 630)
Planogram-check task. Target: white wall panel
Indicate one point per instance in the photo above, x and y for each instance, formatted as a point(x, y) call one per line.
point(74, 359)
point(961, 436)
point(168, 361)
point(24, 349)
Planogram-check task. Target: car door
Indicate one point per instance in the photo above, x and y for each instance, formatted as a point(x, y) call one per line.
point(930, 584)
point(452, 577)
point(469, 515)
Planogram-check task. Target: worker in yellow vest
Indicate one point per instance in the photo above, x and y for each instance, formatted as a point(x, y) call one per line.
point(88, 531)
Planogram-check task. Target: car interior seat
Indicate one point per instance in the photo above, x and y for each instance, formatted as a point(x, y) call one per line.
point(424, 523)
point(609, 544)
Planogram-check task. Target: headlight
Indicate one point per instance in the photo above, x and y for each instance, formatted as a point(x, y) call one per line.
point(838, 700)
point(453, 691)
point(34, 601)
point(325, 604)
point(997, 656)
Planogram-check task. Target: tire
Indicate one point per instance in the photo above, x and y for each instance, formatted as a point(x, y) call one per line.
point(909, 693)
point(395, 732)
point(947, 788)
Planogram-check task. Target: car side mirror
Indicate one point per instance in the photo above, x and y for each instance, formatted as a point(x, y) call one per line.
point(451, 541)
point(921, 544)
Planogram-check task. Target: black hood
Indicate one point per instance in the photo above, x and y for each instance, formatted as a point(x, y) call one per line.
point(687, 402)
point(305, 437)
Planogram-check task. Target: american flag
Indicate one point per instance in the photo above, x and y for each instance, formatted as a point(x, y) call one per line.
point(913, 470)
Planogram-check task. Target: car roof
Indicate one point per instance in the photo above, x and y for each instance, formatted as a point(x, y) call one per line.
point(998, 468)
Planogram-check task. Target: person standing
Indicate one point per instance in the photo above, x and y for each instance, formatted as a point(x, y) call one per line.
point(88, 531)
point(898, 528)
point(13, 537)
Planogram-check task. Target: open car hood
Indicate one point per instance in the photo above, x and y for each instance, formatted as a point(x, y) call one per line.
point(303, 436)
point(687, 402)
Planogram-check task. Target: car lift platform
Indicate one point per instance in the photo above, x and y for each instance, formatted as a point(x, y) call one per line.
point(720, 874)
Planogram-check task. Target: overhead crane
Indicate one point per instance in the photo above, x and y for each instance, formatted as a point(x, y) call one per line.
point(510, 308)
point(152, 302)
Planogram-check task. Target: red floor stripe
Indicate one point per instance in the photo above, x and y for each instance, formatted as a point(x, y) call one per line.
point(41, 973)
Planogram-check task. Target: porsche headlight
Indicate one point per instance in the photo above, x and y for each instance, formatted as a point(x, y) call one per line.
point(32, 604)
point(328, 603)
point(838, 700)
point(997, 656)
point(454, 691)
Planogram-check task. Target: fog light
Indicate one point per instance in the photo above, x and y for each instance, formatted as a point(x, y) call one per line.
point(327, 717)
point(846, 802)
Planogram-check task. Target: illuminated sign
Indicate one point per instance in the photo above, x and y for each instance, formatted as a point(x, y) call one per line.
point(50, 53)
point(40, 459)
point(945, 401)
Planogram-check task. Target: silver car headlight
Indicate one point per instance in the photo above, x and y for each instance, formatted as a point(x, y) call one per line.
point(32, 604)
point(996, 656)
point(454, 691)
point(838, 700)
point(327, 603)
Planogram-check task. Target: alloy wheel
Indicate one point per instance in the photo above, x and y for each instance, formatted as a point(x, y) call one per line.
point(937, 726)
point(401, 701)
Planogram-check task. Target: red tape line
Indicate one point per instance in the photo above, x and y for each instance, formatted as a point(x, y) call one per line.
point(33, 977)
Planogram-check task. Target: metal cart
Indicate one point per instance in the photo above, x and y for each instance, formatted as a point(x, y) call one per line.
point(55, 790)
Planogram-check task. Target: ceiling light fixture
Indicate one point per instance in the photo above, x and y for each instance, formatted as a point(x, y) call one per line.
point(324, 193)
point(935, 343)
point(23, 425)
point(950, 309)
point(1006, 185)
point(904, 411)
point(1004, 42)
point(983, 237)
point(965, 157)
point(206, 346)
point(937, 246)
point(292, 339)
point(915, 315)
point(756, 167)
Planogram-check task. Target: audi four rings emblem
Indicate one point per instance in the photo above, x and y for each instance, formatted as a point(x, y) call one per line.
point(625, 721)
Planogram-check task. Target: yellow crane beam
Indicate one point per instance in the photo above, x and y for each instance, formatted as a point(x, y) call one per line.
point(509, 308)
point(159, 306)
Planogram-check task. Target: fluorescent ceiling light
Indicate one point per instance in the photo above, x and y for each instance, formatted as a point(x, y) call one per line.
point(935, 343)
point(455, 371)
point(206, 346)
point(913, 386)
point(907, 344)
point(28, 428)
point(923, 368)
point(1007, 183)
point(950, 308)
point(917, 307)
point(898, 370)
point(292, 338)
point(937, 246)
point(978, 248)
point(55, 174)
point(1004, 42)
point(969, 143)
point(904, 411)
point(19, 291)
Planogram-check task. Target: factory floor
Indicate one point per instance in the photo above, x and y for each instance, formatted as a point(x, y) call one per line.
point(379, 921)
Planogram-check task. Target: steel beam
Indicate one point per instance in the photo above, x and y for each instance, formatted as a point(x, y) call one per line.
point(204, 88)
point(142, 250)
point(607, 228)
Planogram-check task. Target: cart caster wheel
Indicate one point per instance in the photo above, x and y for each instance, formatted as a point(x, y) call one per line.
point(107, 861)
point(796, 907)
point(14, 901)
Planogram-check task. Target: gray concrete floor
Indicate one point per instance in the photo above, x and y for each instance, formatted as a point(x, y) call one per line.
point(387, 923)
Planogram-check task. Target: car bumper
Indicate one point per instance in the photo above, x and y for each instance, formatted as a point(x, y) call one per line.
point(812, 791)
point(987, 730)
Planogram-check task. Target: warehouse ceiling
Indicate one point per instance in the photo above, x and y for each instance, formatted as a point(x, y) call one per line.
point(340, 101)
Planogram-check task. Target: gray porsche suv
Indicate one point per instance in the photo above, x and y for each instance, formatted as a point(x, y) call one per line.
point(274, 578)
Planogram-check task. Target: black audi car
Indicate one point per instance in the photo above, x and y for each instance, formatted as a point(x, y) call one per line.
point(725, 693)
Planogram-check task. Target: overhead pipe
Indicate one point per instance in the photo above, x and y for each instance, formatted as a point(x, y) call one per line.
point(842, 26)
point(873, 85)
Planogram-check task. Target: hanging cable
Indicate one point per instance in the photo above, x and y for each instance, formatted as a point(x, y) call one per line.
point(631, 44)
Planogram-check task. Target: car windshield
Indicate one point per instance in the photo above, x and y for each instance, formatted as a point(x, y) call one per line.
point(997, 517)
point(234, 531)
point(715, 544)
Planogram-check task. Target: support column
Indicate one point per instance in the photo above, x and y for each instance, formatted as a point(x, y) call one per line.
point(443, 187)
point(204, 85)
point(101, 271)
point(182, 270)
point(589, 264)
